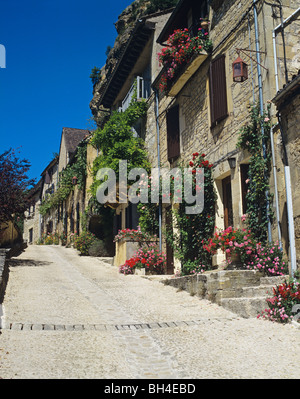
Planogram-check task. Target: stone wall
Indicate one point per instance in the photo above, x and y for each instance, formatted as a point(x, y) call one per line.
point(3, 273)
point(232, 27)
point(217, 285)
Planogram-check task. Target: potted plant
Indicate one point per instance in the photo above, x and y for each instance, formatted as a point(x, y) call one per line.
point(204, 23)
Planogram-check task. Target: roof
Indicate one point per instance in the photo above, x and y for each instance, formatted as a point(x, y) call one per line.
point(127, 59)
point(288, 91)
point(35, 189)
point(73, 137)
point(50, 165)
point(177, 20)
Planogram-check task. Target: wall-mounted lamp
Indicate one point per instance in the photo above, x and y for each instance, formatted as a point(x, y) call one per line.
point(74, 180)
point(232, 163)
point(240, 70)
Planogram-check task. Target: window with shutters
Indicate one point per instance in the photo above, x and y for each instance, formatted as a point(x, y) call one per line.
point(218, 92)
point(173, 133)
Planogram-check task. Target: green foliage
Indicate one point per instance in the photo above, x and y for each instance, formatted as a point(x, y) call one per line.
point(148, 218)
point(65, 186)
point(98, 249)
point(156, 5)
point(252, 138)
point(188, 230)
point(95, 75)
point(116, 142)
point(84, 242)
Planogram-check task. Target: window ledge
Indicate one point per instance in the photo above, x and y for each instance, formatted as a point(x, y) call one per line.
point(189, 70)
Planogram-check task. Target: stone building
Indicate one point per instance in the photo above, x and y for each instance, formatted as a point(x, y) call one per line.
point(210, 107)
point(287, 101)
point(63, 217)
point(135, 69)
point(204, 108)
point(68, 213)
point(32, 218)
point(50, 178)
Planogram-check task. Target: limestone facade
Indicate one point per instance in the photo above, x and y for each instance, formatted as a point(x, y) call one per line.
point(232, 27)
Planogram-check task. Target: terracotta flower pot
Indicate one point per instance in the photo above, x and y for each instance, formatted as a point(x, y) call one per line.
point(204, 25)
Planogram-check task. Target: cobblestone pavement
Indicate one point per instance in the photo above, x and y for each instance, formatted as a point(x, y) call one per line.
point(67, 317)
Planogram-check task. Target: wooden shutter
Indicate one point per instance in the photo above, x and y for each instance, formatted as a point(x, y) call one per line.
point(173, 134)
point(218, 94)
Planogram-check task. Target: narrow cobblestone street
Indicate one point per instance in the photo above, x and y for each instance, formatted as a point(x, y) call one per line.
point(67, 316)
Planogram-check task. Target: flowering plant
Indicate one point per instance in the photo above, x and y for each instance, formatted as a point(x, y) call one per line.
point(267, 258)
point(49, 239)
point(285, 297)
point(181, 46)
point(149, 258)
point(232, 241)
point(135, 235)
point(83, 242)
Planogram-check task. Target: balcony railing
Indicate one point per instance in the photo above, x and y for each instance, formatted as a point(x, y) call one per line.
point(140, 88)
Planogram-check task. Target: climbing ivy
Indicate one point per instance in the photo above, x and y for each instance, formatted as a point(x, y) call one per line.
point(255, 138)
point(65, 186)
point(116, 141)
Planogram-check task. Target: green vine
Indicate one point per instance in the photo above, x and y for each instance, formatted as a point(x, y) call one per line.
point(188, 232)
point(255, 138)
point(65, 186)
point(116, 141)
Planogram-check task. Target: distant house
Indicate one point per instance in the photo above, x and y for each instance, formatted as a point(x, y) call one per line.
point(32, 218)
point(49, 184)
point(63, 215)
point(70, 138)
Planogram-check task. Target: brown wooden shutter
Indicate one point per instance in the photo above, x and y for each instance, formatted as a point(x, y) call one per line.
point(173, 133)
point(218, 94)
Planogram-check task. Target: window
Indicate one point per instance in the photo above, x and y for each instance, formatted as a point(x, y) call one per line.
point(218, 95)
point(173, 133)
point(30, 236)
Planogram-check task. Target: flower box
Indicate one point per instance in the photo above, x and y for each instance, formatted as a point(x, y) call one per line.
point(187, 73)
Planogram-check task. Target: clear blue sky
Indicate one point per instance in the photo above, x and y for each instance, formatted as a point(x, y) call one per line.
point(51, 47)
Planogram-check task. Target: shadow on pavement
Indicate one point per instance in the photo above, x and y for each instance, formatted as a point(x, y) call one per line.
point(27, 262)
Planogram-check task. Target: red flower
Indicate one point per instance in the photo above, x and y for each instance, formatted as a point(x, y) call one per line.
point(191, 163)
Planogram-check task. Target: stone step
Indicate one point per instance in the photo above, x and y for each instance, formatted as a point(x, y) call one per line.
point(274, 280)
point(257, 291)
point(245, 307)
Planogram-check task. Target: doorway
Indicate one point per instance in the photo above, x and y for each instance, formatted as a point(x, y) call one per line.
point(169, 249)
point(227, 201)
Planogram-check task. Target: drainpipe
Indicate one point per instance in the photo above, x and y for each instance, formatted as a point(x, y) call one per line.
point(158, 167)
point(280, 26)
point(261, 100)
point(287, 177)
point(275, 185)
point(289, 204)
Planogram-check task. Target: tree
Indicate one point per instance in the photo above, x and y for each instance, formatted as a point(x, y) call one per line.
point(14, 184)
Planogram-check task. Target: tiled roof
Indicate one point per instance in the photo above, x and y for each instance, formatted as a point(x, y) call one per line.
point(291, 87)
point(73, 137)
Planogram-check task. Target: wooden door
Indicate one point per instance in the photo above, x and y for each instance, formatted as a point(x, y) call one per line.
point(227, 201)
point(169, 249)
